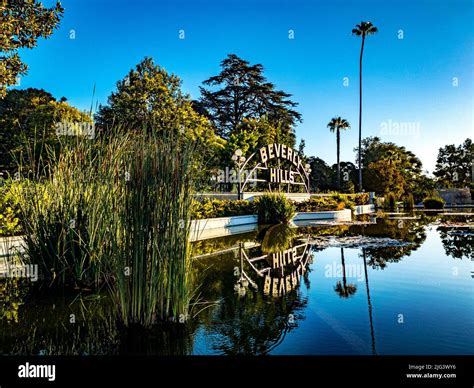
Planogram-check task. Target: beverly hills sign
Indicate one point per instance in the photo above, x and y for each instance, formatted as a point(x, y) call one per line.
point(277, 165)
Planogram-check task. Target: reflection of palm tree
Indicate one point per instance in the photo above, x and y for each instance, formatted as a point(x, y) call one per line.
point(343, 289)
point(363, 29)
point(335, 125)
point(372, 335)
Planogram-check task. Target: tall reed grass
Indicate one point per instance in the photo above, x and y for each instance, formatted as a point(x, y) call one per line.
point(116, 211)
point(150, 251)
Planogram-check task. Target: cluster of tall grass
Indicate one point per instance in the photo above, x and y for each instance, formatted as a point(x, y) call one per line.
point(116, 211)
point(212, 208)
point(151, 258)
point(274, 208)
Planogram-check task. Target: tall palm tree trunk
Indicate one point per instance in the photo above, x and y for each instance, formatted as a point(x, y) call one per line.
point(338, 137)
point(360, 113)
point(372, 334)
point(344, 277)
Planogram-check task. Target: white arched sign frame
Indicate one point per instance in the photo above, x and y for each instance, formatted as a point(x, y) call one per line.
point(302, 173)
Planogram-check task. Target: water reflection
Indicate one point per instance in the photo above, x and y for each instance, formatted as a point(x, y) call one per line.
point(457, 243)
point(266, 304)
point(369, 303)
point(269, 289)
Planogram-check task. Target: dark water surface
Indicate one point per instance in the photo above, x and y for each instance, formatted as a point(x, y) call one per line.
point(406, 287)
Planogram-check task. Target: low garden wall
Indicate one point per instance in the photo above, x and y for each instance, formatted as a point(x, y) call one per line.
point(223, 226)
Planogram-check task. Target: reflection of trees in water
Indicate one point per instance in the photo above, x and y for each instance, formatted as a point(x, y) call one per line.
point(457, 243)
point(251, 323)
point(254, 324)
point(45, 328)
point(412, 231)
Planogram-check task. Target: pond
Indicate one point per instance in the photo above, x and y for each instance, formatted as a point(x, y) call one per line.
point(387, 284)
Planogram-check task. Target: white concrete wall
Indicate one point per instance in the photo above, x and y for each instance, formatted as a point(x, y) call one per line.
point(364, 209)
point(216, 227)
point(297, 197)
point(336, 215)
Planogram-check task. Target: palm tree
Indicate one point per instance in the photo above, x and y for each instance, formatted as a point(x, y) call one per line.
point(363, 29)
point(343, 289)
point(393, 157)
point(335, 125)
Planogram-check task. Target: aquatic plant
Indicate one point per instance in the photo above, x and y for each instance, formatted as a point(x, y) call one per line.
point(149, 233)
point(116, 211)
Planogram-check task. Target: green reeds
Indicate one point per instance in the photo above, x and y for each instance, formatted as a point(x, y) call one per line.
point(59, 211)
point(116, 211)
point(151, 231)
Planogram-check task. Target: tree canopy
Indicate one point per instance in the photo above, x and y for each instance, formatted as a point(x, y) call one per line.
point(22, 23)
point(454, 165)
point(241, 91)
point(28, 116)
point(149, 98)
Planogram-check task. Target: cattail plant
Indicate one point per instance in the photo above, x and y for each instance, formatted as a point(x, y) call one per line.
point(116, 211)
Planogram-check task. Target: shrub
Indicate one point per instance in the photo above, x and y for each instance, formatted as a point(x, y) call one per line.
point(433, 203)
point(318, 204)
point(274, 209)
point(212, 208)
point(9, 211)
point(358, 199)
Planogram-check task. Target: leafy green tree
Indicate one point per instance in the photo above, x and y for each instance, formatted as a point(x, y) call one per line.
point(22, 23)
point(349, 176)
point(241, 91)
point(454, 165)
point(424, 187)
point(321, 177)
point(383, 177)
point(336, 125)
point(247, 141)
point(363, 30)
point(252, 134)
point(150, 99)
point(408, 164)
point(32, 116)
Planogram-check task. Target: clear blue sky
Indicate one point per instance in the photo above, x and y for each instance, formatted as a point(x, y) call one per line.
point(407, 80)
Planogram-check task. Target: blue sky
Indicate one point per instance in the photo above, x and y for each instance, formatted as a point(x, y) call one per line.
point(408, 82)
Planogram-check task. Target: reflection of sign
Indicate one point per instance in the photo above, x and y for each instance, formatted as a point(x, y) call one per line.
point(281, 271)
point(278, 164)
point(279, 286)
point(280, 259)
